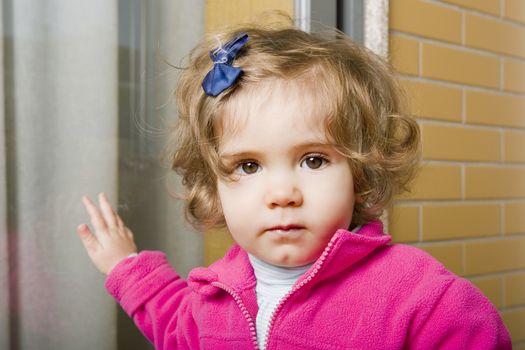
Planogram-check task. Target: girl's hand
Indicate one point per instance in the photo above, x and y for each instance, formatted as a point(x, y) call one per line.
point(112, 241)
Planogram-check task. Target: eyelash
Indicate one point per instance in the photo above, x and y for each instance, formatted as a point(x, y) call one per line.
point(238, 168)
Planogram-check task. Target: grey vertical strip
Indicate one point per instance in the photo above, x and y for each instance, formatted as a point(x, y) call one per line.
point(4, 250)
point(323, 14)
point(350, 18)
point(315, 15)
point(63, 143)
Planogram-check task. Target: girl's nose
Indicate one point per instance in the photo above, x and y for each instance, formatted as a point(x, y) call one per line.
point(283, 194)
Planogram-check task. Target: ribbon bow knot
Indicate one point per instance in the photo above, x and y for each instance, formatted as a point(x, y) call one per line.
point(223, 74)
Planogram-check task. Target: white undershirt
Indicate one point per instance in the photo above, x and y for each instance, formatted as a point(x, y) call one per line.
point(273, 282)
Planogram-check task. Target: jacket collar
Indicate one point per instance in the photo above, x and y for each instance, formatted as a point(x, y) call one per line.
point(344, 251)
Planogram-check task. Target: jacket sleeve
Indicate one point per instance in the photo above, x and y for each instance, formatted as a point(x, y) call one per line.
point(462, 318)
point(152, 293)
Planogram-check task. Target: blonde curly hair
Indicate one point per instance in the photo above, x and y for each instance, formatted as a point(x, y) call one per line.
point(366, 119)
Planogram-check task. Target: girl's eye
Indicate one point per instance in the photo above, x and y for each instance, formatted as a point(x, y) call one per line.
point(313, 162)
point(248, 168)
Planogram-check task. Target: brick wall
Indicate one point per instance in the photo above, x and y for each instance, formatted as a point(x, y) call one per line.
point(463, 64)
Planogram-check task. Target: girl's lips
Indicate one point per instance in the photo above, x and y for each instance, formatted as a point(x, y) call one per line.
point(286, 232)
point(285, 228)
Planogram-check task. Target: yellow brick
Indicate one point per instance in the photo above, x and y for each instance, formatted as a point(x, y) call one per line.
point(491, 288)
point(434, 101)
point(514, 75)
point(460, 143)
point(494, 256)
point(514, 146)
point(460, 221)
point(515, 218)
point(403, 223)
point(450, 255)
point(515, 289)
point(491, 182)
point(515, 322)
point(460, 66)
point(515, 10)
point(494, 35)
point(487, 6)
point(495, 109)
point(436, 182)
point(404, 55)
point(220, 13)
point(425, 19)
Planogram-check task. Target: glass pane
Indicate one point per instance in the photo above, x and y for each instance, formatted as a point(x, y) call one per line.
point(86, 107)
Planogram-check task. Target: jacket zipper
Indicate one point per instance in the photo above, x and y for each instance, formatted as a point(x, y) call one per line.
point(244, 310)
point(305, 281)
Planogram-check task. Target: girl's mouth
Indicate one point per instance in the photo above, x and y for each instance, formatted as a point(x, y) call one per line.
point(286, 228)
point(285, 232)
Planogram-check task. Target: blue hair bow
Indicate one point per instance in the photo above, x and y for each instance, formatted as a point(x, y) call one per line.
point(223, 75)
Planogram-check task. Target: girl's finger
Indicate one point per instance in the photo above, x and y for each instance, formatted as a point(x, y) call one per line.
point(107, 210)
point(99, 224)
point(89, 240)
point(120, 223)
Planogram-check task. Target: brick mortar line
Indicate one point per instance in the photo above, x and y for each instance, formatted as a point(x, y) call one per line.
point(465, 238)
point(454, 85)
point(472, 163)
point(497, 18)
point(502, 145)
point(499, 274)
point(442, 122)
point(503, 289)
point(492, 275)
point(457, 240)
point(502, 223)
point(419, 59)
point(463, 257)
point(502, 74)
point(455, 46)
point(505, 309)
point(423, 121)
point(478, 239)
point(420, 226)
point(463, 182)
point(449, 202)
point(518, 129)
point(463, 106)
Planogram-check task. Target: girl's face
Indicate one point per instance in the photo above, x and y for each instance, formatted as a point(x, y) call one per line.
point(291, 189)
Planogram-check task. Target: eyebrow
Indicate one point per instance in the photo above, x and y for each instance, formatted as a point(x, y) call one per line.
point(248, 153)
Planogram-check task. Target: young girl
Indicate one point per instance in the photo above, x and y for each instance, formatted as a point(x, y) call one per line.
point(296, 142)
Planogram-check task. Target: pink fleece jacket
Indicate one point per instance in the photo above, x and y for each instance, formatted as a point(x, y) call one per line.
point(362, 293)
